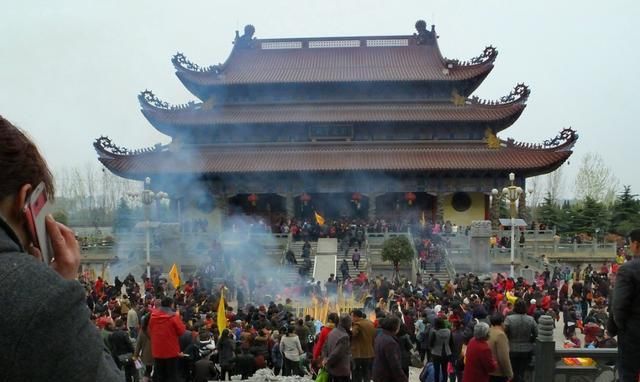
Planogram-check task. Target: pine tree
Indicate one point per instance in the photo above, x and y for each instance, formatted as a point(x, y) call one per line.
point(625, 212)
point(589, 216)
point(549, 213)
point(565, 218)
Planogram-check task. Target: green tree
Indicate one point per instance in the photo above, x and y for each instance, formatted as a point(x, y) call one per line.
point(589, 216)
point(549, 212)
point(565, 218)
point(625, 213)
point(397, 250)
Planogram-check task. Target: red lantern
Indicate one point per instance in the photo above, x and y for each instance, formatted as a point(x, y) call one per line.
point(253, 198)
point(355, 198)
point(306, 198)
point(410, 197)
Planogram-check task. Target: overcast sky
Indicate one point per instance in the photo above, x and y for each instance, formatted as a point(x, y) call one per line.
point(71, 69)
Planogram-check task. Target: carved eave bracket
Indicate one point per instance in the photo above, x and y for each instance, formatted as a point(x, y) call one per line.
point(180, 62)
point(148, 101)
point(108, 150)
point(488, 55)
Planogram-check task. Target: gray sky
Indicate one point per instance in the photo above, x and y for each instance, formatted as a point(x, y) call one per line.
point(71, 69)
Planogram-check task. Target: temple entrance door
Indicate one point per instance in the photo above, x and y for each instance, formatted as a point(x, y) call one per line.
point(269, 207)
point(332, 206)
point(395, 207)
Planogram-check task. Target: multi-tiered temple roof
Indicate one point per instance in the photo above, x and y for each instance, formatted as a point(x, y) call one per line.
point(376, 103)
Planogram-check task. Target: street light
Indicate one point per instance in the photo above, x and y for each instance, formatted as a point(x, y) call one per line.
point(147, 197)
point(512, 193)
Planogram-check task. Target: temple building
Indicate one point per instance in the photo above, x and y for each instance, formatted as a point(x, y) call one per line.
point(369, 127)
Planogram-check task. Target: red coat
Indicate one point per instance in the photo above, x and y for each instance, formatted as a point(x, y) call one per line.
point(546, 302)
point(165, 327)
point(479, 362)
point(317, 348)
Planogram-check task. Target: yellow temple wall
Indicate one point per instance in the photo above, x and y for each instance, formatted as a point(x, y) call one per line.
point(475, 212)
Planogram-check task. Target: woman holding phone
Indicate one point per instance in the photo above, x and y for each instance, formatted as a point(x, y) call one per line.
point(45, 331)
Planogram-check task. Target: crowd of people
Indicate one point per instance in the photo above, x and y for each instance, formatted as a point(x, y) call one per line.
point(470, 328)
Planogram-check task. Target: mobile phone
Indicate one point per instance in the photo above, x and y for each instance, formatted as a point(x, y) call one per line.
point(36, 210)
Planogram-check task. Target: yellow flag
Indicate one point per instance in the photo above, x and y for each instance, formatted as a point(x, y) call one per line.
point(222, 318)
point(319, 219)
point(174, 276)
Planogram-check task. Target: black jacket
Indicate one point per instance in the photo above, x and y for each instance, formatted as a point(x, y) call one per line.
point(626, 308)
point(120, 343)
point(45, 331)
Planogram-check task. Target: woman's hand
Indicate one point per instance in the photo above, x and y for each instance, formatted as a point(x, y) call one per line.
point(66, 251)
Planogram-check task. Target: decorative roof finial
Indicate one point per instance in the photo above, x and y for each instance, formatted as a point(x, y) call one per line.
point(246, 40)
point(424, 36)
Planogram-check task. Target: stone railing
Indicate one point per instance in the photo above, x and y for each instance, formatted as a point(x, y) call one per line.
point(550, 367)
point(367, 252)
point(582, 252)
point(451, 270)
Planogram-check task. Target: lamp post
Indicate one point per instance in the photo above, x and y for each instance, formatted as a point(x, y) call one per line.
point(147, 197)
point(512, 193)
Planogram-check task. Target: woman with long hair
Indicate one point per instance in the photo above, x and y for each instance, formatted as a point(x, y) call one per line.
point(226, 353)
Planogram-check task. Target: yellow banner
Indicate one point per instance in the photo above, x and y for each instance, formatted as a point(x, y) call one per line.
point(174, 276)
point(222, 318)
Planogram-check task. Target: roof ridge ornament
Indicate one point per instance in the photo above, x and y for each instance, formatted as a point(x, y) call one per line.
point(147, 98)
point(489, 54)
point(180, 60)
point(520, 93)
point(567, 135)
point(424, 36)
point(105, 145)
point(565, 140)
point(246, 40)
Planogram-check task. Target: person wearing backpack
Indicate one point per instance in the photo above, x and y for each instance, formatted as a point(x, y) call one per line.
point(423, 331)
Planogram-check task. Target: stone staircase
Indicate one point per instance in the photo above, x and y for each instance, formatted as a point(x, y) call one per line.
point(291, 274)
point(353, 272)
point(442, 275)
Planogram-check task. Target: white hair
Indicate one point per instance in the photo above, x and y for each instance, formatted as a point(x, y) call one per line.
point(481, 331)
